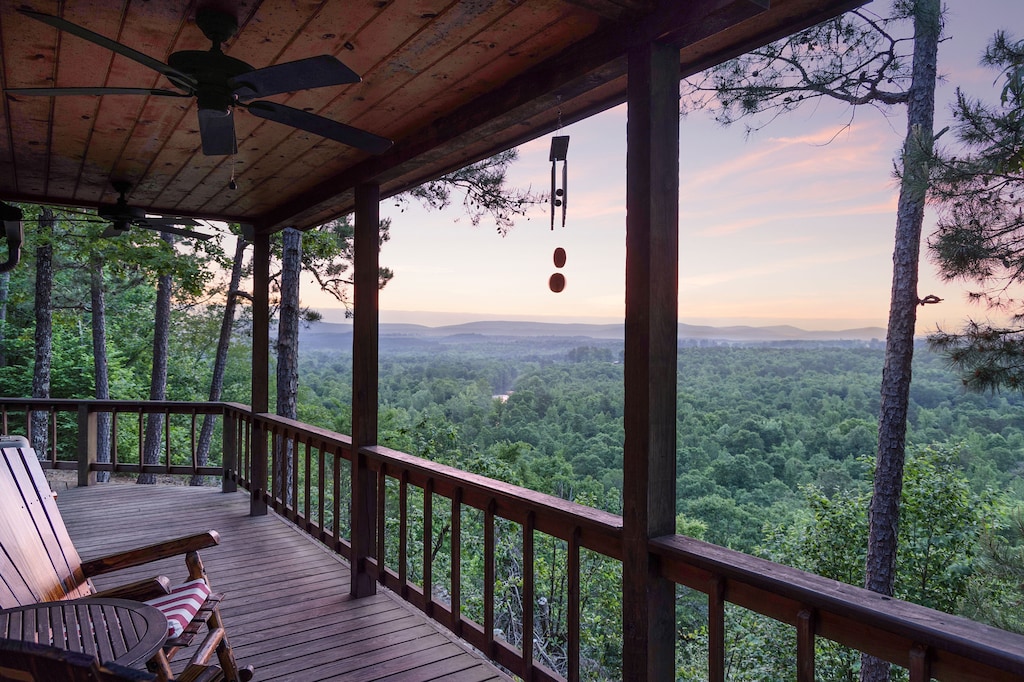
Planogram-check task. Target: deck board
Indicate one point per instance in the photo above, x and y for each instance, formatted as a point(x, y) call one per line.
point(287, 608)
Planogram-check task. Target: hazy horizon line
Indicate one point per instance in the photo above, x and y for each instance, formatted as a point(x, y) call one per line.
point(446, 318)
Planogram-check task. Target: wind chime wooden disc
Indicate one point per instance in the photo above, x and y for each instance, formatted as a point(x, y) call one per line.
point(557, 282)
point(559, 257)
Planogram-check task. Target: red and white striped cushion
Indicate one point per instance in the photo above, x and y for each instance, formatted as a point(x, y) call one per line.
point(182, 604)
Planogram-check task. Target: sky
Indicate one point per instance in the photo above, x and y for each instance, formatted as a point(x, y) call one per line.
point(791, 225)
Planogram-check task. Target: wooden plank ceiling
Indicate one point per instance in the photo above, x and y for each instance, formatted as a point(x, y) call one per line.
point(449, 81)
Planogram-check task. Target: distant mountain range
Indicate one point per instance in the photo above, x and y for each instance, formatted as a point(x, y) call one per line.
point(318, 332)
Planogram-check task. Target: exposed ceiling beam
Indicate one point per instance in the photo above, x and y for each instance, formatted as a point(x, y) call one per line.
point(570, 74)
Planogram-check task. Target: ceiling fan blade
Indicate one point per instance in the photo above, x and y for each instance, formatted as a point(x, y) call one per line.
point(318, 125)
point(51, 92)
point(169, 221)
point(217, 130)
point(175, 76)
point(303, 74)
point(147, 225)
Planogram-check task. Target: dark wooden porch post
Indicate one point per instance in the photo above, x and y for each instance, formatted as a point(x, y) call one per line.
point(87, 437)
point(364, 383)
point(260, 369)
point(652, 255)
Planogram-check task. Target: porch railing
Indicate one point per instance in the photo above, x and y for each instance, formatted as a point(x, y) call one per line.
point(71, 429)
point(421, 547)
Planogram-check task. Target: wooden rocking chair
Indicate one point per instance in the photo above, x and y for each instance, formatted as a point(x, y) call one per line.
point(39, 563)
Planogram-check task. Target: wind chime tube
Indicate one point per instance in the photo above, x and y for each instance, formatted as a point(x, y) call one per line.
point(559, 150)
point(553, 195)
point(565, 188)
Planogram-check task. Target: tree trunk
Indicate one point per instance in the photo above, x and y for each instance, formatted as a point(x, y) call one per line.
point(880, 570)
point(44, 329)
point(99, 360)
point(288, 352)
point(158, 381)
point(220, 362)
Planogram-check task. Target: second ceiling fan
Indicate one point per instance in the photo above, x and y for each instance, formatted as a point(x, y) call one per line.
point(220, 83)
point(121, 217)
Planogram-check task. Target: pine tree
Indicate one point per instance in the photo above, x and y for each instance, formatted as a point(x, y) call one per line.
point(979, 187)
point(858, 59)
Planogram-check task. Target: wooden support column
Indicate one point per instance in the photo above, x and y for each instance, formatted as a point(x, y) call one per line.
point(366, 266)
point(652, 255)
point(260, 370)
point(229, 449)
point(88, 435)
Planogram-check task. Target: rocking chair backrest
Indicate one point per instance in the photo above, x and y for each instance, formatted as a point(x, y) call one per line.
point(38, 562)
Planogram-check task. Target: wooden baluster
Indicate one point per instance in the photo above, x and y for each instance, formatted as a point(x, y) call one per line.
point(805, 627)
point(489, 578)
point(113, 441)
point(281, 457)
point(247, 440)
point(528, 595)
point(241, 445)
point(275, 467)
point(321, 488)
point(336, 484)
point(403, 533)
point(307, 488)
point(228, 452)
point(141, 432)
point(280, 480)
point(573, 568)
point(272, 463)
point(167, 440)
point(456, 561)
point(382, 480)
point(294, 444)
point(716, 631)
point(192, 444)
point(53, 435)
point(428, 537)
point(920, 665)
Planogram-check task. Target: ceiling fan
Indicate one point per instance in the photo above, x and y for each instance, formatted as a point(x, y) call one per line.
point(220, 83)
point(123, 217)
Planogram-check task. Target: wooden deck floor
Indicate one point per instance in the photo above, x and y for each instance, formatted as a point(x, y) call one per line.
point(287, 609)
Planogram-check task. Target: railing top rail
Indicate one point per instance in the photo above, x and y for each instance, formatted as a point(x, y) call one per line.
point(96, 405)
point(315, 433)
point(869, 610)
point(597, 530)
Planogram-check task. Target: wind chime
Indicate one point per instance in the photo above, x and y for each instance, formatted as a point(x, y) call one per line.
point(559, 197)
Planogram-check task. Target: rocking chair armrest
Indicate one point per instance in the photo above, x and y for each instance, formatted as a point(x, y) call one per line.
point(144, 555)
point(200, 673)
point(142, 590)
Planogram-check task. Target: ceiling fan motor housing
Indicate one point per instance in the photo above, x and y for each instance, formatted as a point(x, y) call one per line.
point(212, 71)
